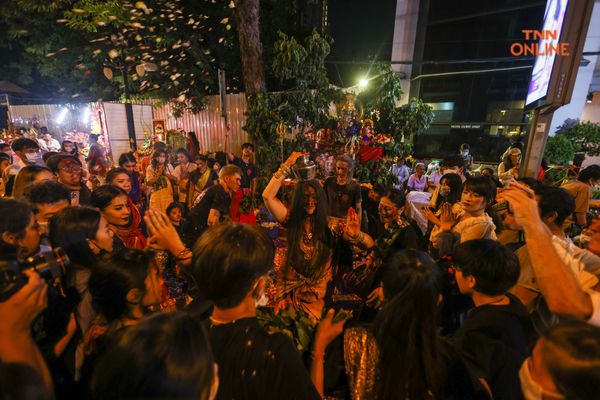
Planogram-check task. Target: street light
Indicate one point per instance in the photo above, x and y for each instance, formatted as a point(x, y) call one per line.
point(363, 83)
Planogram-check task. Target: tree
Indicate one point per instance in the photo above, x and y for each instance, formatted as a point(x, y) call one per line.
point(247, 17)
point(44, 56)
point(559, 150)
point(302, 104)
point(583, 137)
point(381, 105)
point(170, 50)
point(586, 137)
point(158, 44)
point(62, 59)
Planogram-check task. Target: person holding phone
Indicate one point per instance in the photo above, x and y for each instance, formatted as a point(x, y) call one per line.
point(509, 167)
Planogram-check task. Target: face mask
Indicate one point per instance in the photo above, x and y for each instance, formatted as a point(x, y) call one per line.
point(465, 153)
point(34, 157)
point(531, 389)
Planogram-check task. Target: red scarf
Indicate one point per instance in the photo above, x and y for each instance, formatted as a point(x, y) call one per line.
point(131, 235)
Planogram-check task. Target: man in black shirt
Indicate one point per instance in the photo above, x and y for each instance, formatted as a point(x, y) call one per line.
point(230, 265)
point(248, 169)
point(212, 205)
point(342, 191)
point(498, 332)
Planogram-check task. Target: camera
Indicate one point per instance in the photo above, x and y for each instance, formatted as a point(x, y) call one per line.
point(50, 265)
point(500, 207)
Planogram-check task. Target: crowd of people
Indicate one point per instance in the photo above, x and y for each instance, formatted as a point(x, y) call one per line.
point(144, 283)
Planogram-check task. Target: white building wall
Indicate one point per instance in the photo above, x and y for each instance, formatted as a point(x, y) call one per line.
point(575, 108)
point(403, 47)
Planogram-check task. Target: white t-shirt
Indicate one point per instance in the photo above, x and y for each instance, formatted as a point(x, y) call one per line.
point(53, 145)
point(595, 318)
point(564, 250)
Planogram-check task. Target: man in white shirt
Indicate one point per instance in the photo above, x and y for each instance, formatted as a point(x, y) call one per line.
point(401, 171)
point(51, 143)
point(556, 279)
point(555, 206)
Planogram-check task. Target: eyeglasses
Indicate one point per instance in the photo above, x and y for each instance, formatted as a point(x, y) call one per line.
point(74, 168)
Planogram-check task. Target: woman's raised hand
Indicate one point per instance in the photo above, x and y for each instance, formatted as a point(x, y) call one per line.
point(352, 229)
point(163, 235)
point(447, 218)
point(292, 158)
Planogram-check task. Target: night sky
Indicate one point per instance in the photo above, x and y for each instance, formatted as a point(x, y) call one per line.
point(362, 31)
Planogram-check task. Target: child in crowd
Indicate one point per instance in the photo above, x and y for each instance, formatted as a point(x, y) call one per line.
point(176, 214)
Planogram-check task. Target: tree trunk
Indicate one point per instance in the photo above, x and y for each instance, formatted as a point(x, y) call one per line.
point(248, 15)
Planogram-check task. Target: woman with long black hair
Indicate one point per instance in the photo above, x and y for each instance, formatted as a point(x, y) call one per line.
point(449, 193)
point(123, 217)
point(122, 287)
point(309, 263)
point(402, 355)
point(84, 234)
point(307, 268)
point(128, 162)
point(159, 178)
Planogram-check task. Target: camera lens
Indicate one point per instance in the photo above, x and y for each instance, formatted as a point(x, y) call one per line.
point(50, 265)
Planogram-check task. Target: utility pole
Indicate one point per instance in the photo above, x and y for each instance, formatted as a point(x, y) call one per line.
point(128, 108)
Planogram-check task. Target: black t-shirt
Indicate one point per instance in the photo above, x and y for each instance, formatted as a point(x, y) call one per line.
point(496, 340)
point(256, 365)
point(391, 241)
point(248, 171)
point(341, 197)
point(215, 197)
point(84, 194)
point(370, 208)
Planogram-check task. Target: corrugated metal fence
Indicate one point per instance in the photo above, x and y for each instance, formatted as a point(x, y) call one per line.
point(210, 127)
point(48, 115)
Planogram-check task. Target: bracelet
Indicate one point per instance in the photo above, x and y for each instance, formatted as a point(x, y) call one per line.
point(285, 170)
point(184, 254)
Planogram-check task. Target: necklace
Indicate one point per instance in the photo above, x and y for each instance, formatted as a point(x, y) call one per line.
point(307, 235)
point(306, 245)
